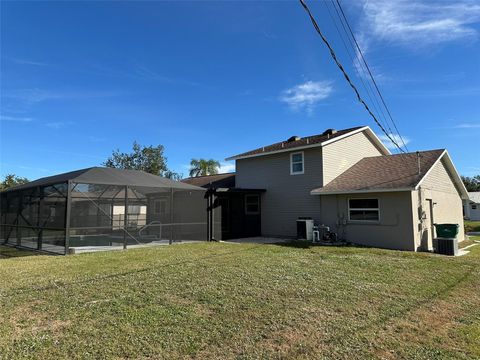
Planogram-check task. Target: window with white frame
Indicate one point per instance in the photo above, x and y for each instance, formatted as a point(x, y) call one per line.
point(252, 204)
point(363, 210)
point(296, 163)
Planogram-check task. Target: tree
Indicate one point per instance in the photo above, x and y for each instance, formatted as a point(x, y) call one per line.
point(472, 183)
point(12, 180)
point(202, 167)
point(146, 158)
point(169, 174)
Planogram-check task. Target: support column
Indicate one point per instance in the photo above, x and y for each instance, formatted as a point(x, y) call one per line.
point(171, 217)
point(125, 219)
point(39, 228)
point(68, 211)
point(208, 215)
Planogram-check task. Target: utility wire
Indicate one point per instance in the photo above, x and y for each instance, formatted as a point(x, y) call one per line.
point(369, 90)
point(340, 66)
point(370, 73)
point(360, 67)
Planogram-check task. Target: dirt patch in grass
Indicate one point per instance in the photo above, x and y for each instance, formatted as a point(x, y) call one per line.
point(27, 319)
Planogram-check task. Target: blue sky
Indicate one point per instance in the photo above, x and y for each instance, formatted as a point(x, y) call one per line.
point(212, 79)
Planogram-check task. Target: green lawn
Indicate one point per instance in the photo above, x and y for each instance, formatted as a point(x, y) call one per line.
point(472, 226)
point(241, 301)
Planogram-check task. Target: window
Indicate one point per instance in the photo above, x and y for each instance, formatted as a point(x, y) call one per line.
point(252, 204)
point(363, 210)
point(296, 163)
point(474, 207)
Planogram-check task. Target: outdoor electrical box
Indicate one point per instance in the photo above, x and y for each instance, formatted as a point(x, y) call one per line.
point(305, 228)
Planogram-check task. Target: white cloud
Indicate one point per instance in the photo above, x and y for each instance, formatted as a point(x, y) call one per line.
point(36, 95)
point(58, 124)
point(467, 126)
point(226, 167)
point(28, 62)
point(306, 95)
point(15, 118)
point(389, 144)
point(421, 22)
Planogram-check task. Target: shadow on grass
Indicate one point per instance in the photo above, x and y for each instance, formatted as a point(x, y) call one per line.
point(8, 252)
point(303, 244)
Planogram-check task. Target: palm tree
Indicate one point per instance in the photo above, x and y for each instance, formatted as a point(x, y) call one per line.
point(202, 167)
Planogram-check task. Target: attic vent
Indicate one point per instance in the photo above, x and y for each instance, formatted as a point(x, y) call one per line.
point(293, 138)
point(329, 132)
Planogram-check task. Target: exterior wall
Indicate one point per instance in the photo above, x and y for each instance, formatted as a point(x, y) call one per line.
point(447, 203)
point(475, 213)
point(287, 197)
point(341, 155)
point(394, 230)
point(470, 212)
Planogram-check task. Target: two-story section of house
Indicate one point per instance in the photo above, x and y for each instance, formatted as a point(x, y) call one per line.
point(345, 179)
point(290, 169)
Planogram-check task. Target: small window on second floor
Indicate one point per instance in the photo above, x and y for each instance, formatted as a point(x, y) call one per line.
point(296, 163)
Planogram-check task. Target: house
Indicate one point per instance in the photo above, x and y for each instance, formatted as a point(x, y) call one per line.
point(471, 206)
point(232, 212)
point(349, 180)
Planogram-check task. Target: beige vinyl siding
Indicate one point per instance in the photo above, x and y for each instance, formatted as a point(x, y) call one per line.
point(439, 187)
point(394, 230)
point(341, 155)
point(287, 196)
point(439, 179)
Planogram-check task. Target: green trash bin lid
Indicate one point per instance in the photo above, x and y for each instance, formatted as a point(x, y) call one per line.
point(447, 230)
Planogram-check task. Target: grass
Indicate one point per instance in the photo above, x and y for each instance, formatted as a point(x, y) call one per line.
point(241, 301)
point(472, 226)
point(9, 252)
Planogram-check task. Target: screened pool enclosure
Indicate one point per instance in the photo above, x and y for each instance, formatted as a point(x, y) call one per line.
point(101, 208)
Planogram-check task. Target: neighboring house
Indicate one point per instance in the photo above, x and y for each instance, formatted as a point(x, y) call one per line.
point(471, 207)
point(349, 180)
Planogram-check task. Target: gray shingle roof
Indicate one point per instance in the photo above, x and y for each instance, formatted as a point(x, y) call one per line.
point(213, 181)
point(474, 196)
point(387, 172)
point(305, 141)
point(109, 176)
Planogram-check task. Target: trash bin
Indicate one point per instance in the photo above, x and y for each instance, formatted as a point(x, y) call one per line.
point(448, 231)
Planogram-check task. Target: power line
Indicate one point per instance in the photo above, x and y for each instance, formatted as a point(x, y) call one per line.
point(369, 90)
point(370, 73)
point(337, 62)
point(360, 67)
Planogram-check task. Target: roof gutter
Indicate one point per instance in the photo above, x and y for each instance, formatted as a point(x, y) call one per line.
point(365, 191)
